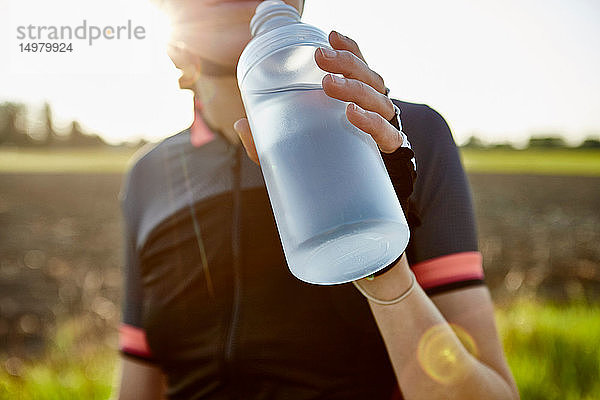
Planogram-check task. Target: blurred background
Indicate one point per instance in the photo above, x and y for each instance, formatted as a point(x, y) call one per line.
point(517, 81)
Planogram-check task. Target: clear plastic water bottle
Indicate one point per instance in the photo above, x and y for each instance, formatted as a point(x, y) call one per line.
point(336, 211)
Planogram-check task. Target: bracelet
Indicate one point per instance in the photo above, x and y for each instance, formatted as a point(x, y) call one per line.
point(389, 302)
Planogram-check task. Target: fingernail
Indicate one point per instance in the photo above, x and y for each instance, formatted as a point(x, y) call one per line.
point(236, 125)
point(359, 109)
point(337, 80)
point(327, 53)
point(340, 35)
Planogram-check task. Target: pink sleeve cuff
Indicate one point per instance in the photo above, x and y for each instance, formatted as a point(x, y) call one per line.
point(132, 340)
point(449, 269)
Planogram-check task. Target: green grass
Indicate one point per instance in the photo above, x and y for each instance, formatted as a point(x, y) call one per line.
point(547, 162)
point(94, 160)
point(553, 351)
point(78, 365)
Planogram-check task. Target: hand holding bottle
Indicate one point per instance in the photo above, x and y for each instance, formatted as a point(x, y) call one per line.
point(369, 109)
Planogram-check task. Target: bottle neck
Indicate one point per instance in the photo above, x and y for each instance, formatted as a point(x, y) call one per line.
point(272, 14)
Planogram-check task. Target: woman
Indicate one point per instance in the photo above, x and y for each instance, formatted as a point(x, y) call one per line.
point(210, 310)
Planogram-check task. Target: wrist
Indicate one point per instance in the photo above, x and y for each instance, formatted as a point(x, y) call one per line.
point(391, 284)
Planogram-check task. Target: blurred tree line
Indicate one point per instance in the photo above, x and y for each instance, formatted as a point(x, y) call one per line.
point(23, 128)
point(19, 128)
point(535, 142)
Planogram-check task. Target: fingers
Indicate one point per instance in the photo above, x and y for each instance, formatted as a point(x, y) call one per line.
point(348, 64)
point(352, 90)
point(347, 59)
point(385, 135)
point(341, 42)
point(360, 85)
point(242, 128)
point(370, 108)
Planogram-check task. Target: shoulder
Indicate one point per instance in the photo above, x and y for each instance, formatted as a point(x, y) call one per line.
point(429, 136)
point(423, 124)
point(147, 165)
point(151, 154)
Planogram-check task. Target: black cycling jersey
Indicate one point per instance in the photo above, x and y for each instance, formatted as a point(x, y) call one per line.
point(208, 296)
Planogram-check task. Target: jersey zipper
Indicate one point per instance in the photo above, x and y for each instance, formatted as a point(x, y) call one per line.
point(236, 262)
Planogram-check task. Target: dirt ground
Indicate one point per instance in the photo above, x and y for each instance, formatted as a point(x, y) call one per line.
point(539, 235)
point(60, 247)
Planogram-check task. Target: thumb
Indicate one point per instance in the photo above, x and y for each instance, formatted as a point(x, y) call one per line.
point(242, 128)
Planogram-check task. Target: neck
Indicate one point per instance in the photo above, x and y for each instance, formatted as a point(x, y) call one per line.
point(221, 103)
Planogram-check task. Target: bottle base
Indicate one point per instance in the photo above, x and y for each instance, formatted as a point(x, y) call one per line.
point(349, 252)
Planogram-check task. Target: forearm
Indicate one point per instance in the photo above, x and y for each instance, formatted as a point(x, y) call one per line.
point(427, 356)
point(139, 380)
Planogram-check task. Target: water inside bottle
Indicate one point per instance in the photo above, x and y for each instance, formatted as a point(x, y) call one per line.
point(323, 187)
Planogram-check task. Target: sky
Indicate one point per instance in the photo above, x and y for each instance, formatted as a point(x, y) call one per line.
point(500, 70)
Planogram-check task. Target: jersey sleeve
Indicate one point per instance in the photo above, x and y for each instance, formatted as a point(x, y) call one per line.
point(132, 336)
point(443, 251)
